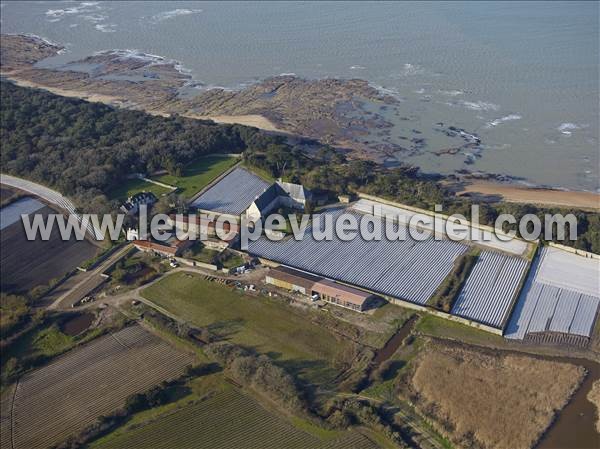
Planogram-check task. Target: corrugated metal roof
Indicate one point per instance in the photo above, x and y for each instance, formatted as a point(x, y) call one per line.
point(267, 197)
point(569, 271)
point(410, 269)
point(294, 277)
point(340, 291)
point(553, 300)
point(233, 194)
point(295, 191)
point(487, 294)
point(585, 315)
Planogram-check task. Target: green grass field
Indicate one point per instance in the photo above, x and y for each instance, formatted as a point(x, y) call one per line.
point(198, 174)
point(226, 420)
point(439, 327)
point(201, 253)
point(268, 325)
point(131, 186)
point(45, 339)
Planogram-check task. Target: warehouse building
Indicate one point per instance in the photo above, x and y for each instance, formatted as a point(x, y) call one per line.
point(241, 192)
point(342, 295)
point(232, 195)
point(292, 280)
point(327, 290)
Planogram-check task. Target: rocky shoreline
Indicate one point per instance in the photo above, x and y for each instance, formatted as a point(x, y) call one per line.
point(328, 110)
point(348, 114)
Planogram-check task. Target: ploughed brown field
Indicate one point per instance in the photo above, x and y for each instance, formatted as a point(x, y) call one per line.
point(62, 398)
point(486, 400)
point(27, 264)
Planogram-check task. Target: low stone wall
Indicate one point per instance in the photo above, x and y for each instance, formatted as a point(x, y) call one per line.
point(195, 263)
point(436, 214)
point(572, 250)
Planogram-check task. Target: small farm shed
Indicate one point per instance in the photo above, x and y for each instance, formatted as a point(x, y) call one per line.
point(291, 279)
point(342, 295)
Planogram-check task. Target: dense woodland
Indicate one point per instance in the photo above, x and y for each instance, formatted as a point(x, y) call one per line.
point(83, 149)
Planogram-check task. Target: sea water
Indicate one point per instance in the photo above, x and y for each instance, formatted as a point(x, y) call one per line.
point(522, 76)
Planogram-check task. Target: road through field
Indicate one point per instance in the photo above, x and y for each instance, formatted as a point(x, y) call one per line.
point(89, 282)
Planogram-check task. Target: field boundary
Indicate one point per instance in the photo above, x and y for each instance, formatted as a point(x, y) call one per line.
point(158, 183)
point(571, 250)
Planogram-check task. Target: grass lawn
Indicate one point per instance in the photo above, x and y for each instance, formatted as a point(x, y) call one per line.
point(131, 186)
point(44, 340)
point(439, 327)
point(267, 325)
point(198, 174)
point(229, 259)
point(201, 253)
point(193, 390)
point(50, 341)
point(137, 269)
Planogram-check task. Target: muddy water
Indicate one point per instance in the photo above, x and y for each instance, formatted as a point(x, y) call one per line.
point(575, 425)
point(77, 324)
point(394, 343)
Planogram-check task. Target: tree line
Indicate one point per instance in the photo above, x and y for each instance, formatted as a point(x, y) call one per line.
point(83, 149)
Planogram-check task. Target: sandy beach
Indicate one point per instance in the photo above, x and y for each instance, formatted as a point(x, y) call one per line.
point(258, 121)
point(546, 197)
point(96, 98)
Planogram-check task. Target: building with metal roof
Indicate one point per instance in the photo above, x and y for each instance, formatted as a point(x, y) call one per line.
point(232, 194)
point(242, 192)
point(264, 203)
point(407, 269)
point(297, 195)
point(490, 289)
point(342, 295)
point(561, 296)
point(293, 280)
